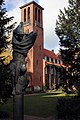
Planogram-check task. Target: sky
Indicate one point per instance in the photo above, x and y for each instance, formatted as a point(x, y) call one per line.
point(50, 15)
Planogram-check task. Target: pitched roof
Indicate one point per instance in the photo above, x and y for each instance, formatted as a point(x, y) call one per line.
point(50, 54)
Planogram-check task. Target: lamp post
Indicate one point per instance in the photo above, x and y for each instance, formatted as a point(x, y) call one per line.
point(21, 43)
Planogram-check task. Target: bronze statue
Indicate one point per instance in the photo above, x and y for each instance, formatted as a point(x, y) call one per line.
point(21, 43)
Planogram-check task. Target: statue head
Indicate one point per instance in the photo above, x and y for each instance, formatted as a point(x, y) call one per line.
point(19, 32)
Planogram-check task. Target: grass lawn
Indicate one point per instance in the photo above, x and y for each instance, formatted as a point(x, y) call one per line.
point(42, 105)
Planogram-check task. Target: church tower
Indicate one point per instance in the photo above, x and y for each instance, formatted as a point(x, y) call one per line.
point(32, 17)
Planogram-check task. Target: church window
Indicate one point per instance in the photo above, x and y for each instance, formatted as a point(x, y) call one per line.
point(36, 13)
point(40, 78)
point(51, 59)
point(37, 62)
point(40, 47)
point(39, 16)
point(48, 59)
point(24, 15)
point(28, 14)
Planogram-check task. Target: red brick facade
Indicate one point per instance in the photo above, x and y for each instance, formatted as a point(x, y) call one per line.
point(32, 17)
point(52, 67)
point(35, 55)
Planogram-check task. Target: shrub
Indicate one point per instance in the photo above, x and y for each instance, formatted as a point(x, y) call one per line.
point(69, 108)
point(4, 114)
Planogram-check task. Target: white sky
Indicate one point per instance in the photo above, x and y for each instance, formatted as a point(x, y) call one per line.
point(50, 15)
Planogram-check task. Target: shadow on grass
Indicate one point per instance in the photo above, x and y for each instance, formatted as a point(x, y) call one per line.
point(40, 105)
point(55, 93)
point(43, 105)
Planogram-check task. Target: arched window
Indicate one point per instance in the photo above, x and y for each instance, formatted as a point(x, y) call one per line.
point(36, 13)
point(24, 15)
point(28, 13)
point(39, 16)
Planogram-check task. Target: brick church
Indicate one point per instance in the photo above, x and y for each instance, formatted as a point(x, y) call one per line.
point(43, 66)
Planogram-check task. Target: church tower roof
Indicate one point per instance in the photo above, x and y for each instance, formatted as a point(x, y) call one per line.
point(32, 2)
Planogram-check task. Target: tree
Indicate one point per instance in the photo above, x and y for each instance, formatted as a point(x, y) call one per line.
point(5, 57)
point(68, 31)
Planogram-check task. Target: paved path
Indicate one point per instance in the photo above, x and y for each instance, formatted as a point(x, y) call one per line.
point(26, 117)
point(36, 118)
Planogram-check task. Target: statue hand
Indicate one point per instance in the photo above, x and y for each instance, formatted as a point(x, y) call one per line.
point(23, 68)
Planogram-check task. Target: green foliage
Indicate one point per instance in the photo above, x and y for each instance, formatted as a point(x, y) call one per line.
point(68, 31)
point(5, 83)
point(5, 29)
point(68, 108)
point(4, 114)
